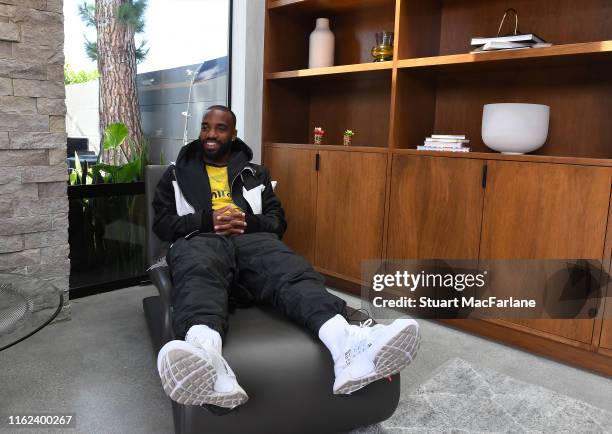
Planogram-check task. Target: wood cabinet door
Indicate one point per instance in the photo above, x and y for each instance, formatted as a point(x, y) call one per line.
point(294, 170)
point(605, 340)
point(350, 210)
point(435, 208)
point(606, 332)
point(547, 211)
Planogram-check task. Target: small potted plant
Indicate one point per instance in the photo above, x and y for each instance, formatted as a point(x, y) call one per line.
point(348, 137)
point(318, 135)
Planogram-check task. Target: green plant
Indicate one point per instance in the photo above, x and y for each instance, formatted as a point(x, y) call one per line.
point(101, 173)
point(74, 77)
point(349, 133)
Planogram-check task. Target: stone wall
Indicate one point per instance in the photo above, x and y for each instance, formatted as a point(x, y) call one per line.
point(33, 173)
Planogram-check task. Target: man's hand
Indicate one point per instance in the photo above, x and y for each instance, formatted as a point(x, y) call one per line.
point(229, 221)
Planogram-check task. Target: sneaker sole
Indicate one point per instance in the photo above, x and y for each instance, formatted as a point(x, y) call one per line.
point(394, 356)
point(226, 401)
point(185, 376)
point(189, 379)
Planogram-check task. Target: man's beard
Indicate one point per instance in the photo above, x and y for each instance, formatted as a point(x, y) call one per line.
point(224, 149)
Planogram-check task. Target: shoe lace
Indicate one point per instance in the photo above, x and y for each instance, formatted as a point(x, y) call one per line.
point(366, 323)
point(358, 336)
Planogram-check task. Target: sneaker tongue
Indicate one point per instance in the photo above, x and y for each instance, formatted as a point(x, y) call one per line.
point(204, 337)
point(221, 366)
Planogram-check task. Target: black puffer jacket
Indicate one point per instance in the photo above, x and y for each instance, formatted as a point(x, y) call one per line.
point(190, 174)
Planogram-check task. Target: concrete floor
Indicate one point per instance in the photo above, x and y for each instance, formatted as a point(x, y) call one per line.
point(100, 365)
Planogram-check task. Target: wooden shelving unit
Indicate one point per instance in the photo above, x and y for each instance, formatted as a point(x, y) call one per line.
point(602, 162)
point(332, 70)
point(566, 52)
point(376, 199)
point(337, 147)
point(433, 83)
point(324, 5)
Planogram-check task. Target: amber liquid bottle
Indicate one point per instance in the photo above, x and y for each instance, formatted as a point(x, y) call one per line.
point(383, 50)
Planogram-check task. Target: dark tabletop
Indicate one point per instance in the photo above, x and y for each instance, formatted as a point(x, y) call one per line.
point(27, 304)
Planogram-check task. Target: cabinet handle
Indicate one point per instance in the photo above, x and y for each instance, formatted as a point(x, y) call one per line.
point(317, 162)
point(485, 169)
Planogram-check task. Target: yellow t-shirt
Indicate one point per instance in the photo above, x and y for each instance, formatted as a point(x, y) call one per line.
point(219, 187)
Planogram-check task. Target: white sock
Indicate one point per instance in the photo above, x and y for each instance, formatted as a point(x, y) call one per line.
point(202, 335)
point(333, 333)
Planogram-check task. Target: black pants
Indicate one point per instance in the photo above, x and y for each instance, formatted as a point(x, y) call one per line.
point(206, 267)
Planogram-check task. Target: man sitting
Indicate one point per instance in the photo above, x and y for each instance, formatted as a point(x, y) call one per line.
point(225, 223)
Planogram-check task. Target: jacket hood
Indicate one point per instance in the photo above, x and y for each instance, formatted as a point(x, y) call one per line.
point(241, 153)
point(193, 180)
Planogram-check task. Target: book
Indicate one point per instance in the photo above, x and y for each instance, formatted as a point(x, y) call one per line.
point(504, 46)
point(527, 37)
point(500, 45)
point(430, 140)
point(448, 136)
point(443, 145)
point(429, 148)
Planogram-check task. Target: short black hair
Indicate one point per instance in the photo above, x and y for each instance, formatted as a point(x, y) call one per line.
point(223, 109)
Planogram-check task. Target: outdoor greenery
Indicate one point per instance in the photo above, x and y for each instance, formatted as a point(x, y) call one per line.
point(74, 77)
point(130, 14)
point(115, 136)
point(117, 22)
point(106, 233)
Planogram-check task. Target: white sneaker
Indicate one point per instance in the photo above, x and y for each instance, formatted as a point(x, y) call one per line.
point(371, 353)
point(191, 375)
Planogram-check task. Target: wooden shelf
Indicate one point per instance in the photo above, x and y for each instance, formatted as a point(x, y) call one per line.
point(332, 70)
point(603, 162)
point(325, 6)
point(310, 146)
point(581, 49)
point(589, 49)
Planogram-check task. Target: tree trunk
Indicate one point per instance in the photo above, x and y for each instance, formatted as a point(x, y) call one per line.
point(117, 66)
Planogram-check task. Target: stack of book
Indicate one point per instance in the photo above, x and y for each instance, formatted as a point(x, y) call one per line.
point(514, 42)
point(444, 142)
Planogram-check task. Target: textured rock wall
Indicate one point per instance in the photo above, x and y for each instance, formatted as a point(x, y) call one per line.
point(33, 173)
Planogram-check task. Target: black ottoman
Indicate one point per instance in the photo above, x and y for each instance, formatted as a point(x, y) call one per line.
point(288, 375)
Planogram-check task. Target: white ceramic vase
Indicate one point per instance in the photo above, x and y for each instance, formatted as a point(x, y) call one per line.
point(321, 51)
point(512, 128)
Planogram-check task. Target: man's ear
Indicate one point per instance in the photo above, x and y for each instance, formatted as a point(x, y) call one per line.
point(235, 135)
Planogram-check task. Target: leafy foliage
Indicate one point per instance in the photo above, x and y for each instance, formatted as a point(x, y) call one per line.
point(141, 52)
point(74, 77)
point(91, 49)
point(87, 12)
point(115, 136)
point(130, 14)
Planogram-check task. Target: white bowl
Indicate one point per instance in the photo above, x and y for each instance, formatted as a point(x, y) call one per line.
point(512, 128)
